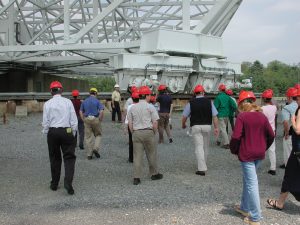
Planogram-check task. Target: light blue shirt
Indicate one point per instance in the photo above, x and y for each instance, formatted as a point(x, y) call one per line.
point(187, 109)
point(288, 111)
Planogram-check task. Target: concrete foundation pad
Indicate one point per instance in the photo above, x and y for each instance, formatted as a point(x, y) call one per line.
point(21, 110)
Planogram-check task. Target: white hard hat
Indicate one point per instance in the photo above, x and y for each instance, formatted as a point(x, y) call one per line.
point(116, 86)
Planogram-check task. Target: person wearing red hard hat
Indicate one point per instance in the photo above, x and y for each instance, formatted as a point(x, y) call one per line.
point(202, 114)
point(165, 108)
point(135, 98)
point(286, 114)
point(270, 112)
point(129, 101)
point(291, 179)
point(224, 105)
point(251, 137)
point(60, 125)
point(77, 103)
point(232, 112)
point(142, 122)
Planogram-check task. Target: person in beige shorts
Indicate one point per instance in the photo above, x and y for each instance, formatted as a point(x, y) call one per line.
point(142, 122)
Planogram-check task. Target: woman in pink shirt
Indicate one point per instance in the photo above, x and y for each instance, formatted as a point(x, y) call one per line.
point(270, 112)
point(252, 136)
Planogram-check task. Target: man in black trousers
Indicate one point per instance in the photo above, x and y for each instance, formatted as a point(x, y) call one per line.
point(60, 125)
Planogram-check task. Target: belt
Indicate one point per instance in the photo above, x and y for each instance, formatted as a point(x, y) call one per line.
point(58, 127)
point(146, 129)
point(92, 115)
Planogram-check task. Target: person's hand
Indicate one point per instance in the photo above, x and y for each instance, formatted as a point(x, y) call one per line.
point(183, 126)
point(286, 136)
point(216, 132)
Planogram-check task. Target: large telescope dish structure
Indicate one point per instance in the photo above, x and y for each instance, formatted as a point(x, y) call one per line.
point(141, 42)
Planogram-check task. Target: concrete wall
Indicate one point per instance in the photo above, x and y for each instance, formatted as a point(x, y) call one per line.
point(14, 81)
point(35, 81)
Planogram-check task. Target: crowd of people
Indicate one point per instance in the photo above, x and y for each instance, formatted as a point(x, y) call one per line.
point(253, 129)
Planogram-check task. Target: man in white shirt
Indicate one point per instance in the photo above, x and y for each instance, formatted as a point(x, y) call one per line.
point(60, 125)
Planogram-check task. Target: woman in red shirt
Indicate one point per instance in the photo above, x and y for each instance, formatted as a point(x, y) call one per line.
point(252, 136)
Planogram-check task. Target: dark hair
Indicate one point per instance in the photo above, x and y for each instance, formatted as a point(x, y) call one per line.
point(267, 100)
point(135, 100)
point(93, 92)
point(55, 91)
point(143, 96)
point(294, 98)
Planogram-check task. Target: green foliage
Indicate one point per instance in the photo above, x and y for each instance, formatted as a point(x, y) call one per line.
point(276, 75)
point(102, 83)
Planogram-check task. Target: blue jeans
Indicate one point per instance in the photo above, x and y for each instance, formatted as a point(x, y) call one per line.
point(250, 198)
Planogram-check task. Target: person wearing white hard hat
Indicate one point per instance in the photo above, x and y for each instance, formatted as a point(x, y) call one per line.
point(115, 104)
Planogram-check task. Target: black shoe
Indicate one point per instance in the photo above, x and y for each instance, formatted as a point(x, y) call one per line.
point(170, 140)
point(282, 166)
point(130, 161)
point(201, 173)
point(89, 157)
point(272, 172)
point(96, 154)
point(69, 188)
point(81, 147)
point(53, 187)
point(218, 143)
point(136, 181)
point(157, 176)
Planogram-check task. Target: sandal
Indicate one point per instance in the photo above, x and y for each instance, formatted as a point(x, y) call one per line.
point(273, 204)
point(249, 221)
point(238, 210)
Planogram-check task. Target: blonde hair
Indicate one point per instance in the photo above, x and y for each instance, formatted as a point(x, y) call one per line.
point(248, 107)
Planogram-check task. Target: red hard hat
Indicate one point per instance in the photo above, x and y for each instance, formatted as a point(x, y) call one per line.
point(198, 88)
point(135, 94)
point(246, 95)
point(267, 93)
point(297, 86)
point(152, 98)
point(145, 90)
point(55, 84)
point(229, 92)
point(291, 92)
point(75, 93)
point(133, 89)
point(162, 87)
point(222, 87)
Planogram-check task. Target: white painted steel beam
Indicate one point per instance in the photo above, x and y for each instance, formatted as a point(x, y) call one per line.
point(66, 20)
point(11, 2)
point(221, 13)
point(186, 15)
point(95, 21)
point(70, 47)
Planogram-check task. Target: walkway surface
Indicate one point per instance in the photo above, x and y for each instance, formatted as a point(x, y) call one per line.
point(104, 193)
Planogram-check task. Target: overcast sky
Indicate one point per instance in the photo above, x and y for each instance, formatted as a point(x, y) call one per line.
point(264, 30)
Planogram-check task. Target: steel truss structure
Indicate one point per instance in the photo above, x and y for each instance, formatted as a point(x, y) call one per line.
point(86, 36)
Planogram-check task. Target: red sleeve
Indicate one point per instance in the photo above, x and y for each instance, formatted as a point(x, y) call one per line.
point(236, 136)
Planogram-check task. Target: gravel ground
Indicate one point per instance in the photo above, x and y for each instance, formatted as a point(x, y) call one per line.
point(104, 193)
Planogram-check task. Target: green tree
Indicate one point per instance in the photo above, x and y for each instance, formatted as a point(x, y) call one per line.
point(102, 83)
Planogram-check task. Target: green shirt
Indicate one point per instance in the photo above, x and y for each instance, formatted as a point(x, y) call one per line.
point(224, 104)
